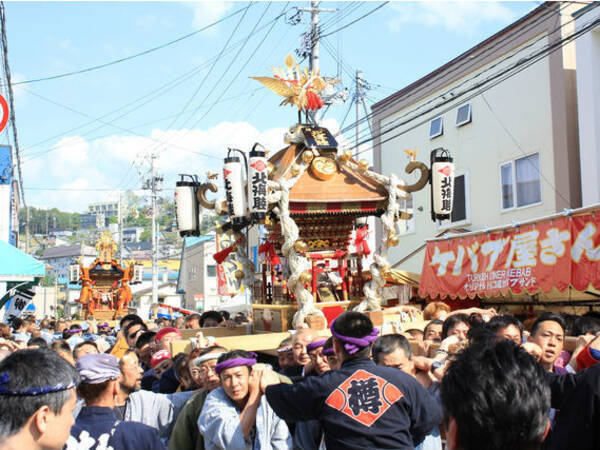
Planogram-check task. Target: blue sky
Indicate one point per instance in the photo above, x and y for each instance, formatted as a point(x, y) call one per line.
point(77, 133)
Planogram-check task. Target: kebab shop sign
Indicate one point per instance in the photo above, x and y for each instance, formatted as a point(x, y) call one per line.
point(555, 253)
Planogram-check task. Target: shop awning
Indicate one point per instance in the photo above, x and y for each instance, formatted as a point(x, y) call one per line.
point(16, 265)
point(554, 253)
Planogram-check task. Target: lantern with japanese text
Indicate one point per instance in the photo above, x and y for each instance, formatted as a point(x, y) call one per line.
point(234, 190)
point(186, 206)
point(257, 184)
point(442, 184)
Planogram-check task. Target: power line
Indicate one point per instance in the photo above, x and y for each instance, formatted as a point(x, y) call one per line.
point(208, 155)
point(520, 65)
point(244, 65)
point(127, 58)
point(497, 46)
point(483, 86)
point(511, 136)
point(191, 98)
point(31, 156)
point(354, 21)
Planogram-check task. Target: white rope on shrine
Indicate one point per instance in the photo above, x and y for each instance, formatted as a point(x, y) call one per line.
point(280, 194)
point(373, 289)
point(247, 265)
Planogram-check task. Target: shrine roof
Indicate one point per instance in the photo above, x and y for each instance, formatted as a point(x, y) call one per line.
point(344, 186)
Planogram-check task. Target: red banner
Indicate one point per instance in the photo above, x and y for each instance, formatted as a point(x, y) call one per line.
point(555, 253)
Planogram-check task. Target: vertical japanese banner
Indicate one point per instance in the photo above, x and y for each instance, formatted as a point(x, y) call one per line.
point(227, 283)
point(17, 304)
point(529, 258)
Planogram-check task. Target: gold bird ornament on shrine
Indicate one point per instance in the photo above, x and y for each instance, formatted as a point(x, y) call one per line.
point(299, 87)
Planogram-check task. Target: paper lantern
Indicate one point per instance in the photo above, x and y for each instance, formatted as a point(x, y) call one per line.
point(234, 189)
point(442, 184)
point(257, 184)
point(186, 207)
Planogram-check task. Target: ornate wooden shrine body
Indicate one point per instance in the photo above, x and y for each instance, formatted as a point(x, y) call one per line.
point(325, 203)
point(105, 291)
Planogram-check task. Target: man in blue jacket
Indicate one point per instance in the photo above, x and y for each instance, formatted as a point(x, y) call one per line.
point(361, 405)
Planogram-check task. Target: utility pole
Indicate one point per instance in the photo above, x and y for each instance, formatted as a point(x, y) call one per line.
point(359, 99)
point(314, 10)
point(154, 249)
point(120, 230)
point(27, 230)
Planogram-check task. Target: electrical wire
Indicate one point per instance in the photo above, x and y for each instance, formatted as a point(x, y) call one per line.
point(214, 65)
point(321, 36)
point(136, 55)
point(500, 44)
point(518, 66)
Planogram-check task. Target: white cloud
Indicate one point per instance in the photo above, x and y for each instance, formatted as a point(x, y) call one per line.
point(461, 16)
point(205, 13)
point(105, 163)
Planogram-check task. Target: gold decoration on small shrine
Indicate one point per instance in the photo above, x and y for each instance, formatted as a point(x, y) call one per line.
point(295, 170)
point(270, 168)
point(239, 274)
point(346, 155)
point(305, 277)
point(392, 240)
point(318, 244)
point(307, 156)
point(323, 168)
point(300, 246)
point(363, 164)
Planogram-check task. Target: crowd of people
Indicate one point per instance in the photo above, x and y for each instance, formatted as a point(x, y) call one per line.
point(467, 379)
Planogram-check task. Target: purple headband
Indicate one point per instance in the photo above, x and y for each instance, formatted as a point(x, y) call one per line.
point(235, 362)
point(5, 378)
point(353, 344)
point(328, 351)
point(75, 330)
point(315, 345)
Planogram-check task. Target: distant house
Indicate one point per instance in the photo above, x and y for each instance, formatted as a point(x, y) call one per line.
point(60, 232)
point(198, 273)
point(137, 250)
point(61, 257)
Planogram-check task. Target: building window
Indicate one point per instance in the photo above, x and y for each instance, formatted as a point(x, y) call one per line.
point(463, 115)
point(407, 226)
point(211, 271)
point(461, 213)
point(520, 180)
point(436, 128)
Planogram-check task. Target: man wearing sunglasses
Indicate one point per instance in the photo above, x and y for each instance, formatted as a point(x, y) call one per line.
point(133, 331)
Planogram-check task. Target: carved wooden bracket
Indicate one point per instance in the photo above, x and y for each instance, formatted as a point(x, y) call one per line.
point(201, 195)
point(410, 168)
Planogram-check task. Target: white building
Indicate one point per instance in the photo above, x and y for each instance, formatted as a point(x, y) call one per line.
point(198, 273)
point(60, 258)
point(514, 139)
point(588, 102)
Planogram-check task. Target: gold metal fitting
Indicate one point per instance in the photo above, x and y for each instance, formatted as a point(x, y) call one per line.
point(363, 164)
point(346, 155)
point(295, 170)
point(307, 156)
point(300, 246)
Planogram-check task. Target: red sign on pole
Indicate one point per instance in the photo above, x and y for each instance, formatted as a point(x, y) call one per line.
point(4, 106)
point(555, 253)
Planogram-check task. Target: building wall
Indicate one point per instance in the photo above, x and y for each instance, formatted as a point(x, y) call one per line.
point(525, 114)
point(199, 272)
point(588, 102)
